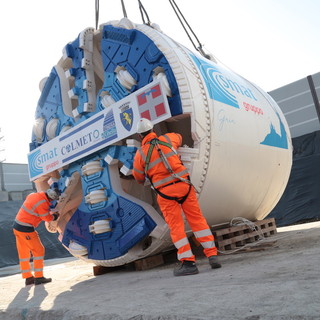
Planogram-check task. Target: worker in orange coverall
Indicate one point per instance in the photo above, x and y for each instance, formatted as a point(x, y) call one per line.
point(170, 179)
point(35, 208)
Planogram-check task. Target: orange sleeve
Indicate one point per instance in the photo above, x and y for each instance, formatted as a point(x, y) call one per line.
point(44, 211)
point(138, 168)
point(176, 139)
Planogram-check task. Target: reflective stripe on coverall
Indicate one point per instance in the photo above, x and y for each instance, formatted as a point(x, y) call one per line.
point(27, 243)
point(36, 208)
point(157, 170)
point(171, 209)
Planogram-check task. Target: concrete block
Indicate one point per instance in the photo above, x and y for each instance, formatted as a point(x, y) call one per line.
point(4, 196)
point(15, 195)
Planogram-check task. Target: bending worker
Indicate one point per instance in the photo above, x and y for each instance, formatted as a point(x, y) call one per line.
point(36, 208)
point(158, 161)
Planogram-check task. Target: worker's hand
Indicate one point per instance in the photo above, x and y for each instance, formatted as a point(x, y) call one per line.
point(53, 210)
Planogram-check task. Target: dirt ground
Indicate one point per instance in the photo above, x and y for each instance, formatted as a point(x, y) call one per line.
point(280, 282)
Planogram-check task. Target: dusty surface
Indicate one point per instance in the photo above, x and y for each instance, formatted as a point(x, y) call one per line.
point(281, 282)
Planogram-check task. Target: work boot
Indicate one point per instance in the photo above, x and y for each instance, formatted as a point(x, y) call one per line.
point(41, 280)
point(214, 263)
point(29, 281)
point(186, 268)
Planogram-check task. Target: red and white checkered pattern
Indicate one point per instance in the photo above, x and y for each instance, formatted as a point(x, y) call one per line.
point(151, 103)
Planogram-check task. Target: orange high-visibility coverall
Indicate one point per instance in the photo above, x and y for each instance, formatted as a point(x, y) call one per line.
point(173, 187)
point(36, 208)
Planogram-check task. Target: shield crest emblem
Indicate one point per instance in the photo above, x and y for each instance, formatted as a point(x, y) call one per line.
point(126, 118)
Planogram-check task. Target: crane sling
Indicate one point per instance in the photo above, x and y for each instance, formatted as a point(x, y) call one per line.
point(155, 143)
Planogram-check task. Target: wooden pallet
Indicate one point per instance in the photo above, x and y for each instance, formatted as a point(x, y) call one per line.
point(231, 238)
point(99, 270)
point(149, 262)
point(138, 265)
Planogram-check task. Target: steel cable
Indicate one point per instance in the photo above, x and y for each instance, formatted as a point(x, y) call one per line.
point(97, 13)
point(178, 12)
point(143, 12)
point(124, 9)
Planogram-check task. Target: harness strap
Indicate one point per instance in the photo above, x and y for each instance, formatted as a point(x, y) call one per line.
point(179, 200)
point(169, 184)
point(155, 143)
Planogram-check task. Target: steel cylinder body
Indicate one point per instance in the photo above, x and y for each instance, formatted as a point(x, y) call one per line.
point(236, 142)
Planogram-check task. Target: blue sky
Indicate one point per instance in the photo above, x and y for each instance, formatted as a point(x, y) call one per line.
point(269, 42)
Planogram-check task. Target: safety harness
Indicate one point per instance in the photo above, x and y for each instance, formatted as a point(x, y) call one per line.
point(155, 143)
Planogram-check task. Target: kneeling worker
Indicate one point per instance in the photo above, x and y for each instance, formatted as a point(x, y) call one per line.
point(35, 208)
point(158, 161)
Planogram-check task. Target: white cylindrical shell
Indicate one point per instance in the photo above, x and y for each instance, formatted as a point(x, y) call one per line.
point(239, 156)
point(241, 138)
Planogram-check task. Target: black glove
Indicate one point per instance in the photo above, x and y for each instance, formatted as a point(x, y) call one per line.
point(56, 216)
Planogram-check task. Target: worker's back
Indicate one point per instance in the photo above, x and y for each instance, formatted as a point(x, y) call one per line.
point(34, 209)
point(157, 171)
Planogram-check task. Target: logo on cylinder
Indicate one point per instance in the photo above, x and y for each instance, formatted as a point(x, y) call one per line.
point(221, 87)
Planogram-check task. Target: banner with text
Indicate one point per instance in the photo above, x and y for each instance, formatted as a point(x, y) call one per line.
point(115, 123)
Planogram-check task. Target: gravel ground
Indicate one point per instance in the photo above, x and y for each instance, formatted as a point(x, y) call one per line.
point(280, 282)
